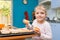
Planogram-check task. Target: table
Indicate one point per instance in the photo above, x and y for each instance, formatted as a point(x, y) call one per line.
point(23, 37)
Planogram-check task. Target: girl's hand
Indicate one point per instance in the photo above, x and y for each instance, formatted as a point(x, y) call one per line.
point(26, 21)
point(37, 30)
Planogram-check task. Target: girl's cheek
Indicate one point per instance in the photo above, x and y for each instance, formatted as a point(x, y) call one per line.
point(43, 15)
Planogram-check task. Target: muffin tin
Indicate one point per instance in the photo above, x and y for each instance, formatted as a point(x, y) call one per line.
point(16, 34)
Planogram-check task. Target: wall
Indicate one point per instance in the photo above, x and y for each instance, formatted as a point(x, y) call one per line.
point(51, 12)
point(18, 11)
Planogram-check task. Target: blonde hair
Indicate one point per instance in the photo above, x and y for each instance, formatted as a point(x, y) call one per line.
point(40, 7)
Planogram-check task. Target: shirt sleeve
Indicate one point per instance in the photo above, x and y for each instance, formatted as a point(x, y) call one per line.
point(47, 33)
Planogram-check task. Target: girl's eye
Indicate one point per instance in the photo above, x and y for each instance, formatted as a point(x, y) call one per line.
point(42, 13)
point(37, 13)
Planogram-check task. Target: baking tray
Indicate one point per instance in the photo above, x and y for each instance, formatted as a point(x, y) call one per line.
point(16, 34)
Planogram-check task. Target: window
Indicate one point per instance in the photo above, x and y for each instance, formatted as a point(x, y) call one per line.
point(6, 12)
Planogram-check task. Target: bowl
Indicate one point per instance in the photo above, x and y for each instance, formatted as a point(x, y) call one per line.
point(2, 25)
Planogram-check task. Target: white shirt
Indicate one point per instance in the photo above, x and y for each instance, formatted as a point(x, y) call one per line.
point(45, 30)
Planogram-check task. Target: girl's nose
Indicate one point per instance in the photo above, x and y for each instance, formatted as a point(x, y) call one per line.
point(39, 14)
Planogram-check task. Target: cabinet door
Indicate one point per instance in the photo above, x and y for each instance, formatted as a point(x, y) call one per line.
point(18, 11)
point(56, 31)
point(55, 3)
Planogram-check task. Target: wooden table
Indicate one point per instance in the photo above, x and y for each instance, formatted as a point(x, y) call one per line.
point(17, 37)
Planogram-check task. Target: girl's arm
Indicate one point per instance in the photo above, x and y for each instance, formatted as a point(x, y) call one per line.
point(27, 22)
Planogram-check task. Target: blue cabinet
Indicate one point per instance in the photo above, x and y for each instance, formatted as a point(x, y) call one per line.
point(55, 31)
point(18, 11)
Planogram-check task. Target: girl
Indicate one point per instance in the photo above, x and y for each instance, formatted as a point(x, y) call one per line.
point(40, 25)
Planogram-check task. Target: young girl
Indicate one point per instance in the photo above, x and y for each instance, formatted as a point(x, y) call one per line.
point(40, 25)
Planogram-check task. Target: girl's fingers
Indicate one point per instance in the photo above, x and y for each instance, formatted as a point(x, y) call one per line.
point(26, 21)
point(36, 29)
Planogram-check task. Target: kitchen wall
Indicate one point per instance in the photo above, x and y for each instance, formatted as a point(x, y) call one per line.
point(18, 11)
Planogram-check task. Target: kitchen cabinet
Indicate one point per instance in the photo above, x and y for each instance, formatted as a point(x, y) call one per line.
point(55, 3)
point(18, 11)
point(55, 31)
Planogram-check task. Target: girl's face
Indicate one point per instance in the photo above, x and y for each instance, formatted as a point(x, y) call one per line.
point(40, 15)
